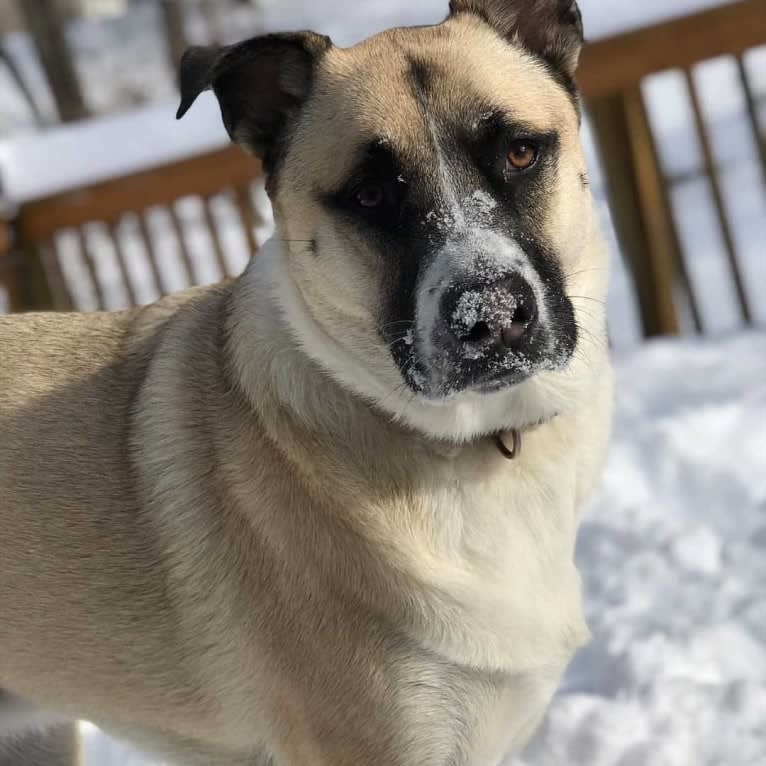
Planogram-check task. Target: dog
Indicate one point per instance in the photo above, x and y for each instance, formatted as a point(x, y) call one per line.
point(325, 514)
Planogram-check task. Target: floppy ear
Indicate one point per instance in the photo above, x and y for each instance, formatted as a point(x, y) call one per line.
point(552, 29)
point(260, 84)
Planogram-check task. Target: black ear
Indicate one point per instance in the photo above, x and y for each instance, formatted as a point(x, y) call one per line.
point(260, 84)
point(552, 29)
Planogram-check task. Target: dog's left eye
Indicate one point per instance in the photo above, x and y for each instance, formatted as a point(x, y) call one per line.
point(370, 195)
point(522, 155)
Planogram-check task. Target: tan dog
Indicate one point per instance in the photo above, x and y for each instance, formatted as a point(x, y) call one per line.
point(273, 522)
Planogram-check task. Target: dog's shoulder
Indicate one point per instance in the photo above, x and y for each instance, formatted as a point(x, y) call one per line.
point(40, 351)
point(203, 302)
point(70, 384)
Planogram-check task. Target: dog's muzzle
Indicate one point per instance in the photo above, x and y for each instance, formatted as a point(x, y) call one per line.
point(488, 333)
point(489, 315)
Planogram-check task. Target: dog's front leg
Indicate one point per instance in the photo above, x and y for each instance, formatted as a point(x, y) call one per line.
point(56, 746)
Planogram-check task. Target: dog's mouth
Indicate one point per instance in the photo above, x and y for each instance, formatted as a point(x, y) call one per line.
point(485, 338)
point(447, 375)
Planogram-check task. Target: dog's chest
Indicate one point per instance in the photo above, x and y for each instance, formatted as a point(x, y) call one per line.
point(469, 716)
point(479, 551)
point(498, 567)
point(505, 594)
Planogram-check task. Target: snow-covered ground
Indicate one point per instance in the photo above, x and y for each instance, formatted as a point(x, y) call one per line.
point(673, 557)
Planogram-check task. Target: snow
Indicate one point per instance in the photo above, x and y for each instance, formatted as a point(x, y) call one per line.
point(37, 164)
point(672, 556)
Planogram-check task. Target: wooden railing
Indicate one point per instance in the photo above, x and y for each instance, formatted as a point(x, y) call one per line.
point(8, 270)
point(39, 275)
point(611, 77)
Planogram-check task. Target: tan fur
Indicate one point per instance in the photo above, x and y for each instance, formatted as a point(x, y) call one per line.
point(214, 548)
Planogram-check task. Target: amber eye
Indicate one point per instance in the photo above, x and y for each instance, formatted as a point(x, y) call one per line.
point(370, 195)
point(522, 155)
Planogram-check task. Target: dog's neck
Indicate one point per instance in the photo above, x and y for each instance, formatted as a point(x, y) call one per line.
point(280, 378)
point(283, 384)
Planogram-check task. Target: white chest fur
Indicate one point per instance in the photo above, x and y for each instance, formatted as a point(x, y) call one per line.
point(499, 568)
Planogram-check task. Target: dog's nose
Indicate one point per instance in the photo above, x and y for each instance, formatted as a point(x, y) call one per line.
point(499, 315)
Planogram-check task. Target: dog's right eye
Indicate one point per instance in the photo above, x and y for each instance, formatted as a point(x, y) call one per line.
point(369, 195)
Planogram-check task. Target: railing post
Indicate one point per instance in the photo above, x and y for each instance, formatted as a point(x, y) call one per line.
point(639, 205)
point(711, 171)
point(36, 293)
point(11, 275)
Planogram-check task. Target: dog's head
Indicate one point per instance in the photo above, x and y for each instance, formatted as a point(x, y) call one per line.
point(431, 202)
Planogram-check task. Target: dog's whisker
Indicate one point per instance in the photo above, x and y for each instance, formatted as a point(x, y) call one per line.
point(574, 274)
point(587, 298)
point(402, 386)
point(403, 323)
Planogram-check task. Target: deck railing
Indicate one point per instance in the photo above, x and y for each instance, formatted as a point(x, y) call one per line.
point(56, 252)
point(612, 75)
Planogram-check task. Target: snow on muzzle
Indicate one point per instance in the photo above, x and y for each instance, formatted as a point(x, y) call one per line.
point(481, 317)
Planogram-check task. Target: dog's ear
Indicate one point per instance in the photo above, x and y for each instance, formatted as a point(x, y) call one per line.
point(552, 29)
point(260, 84)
